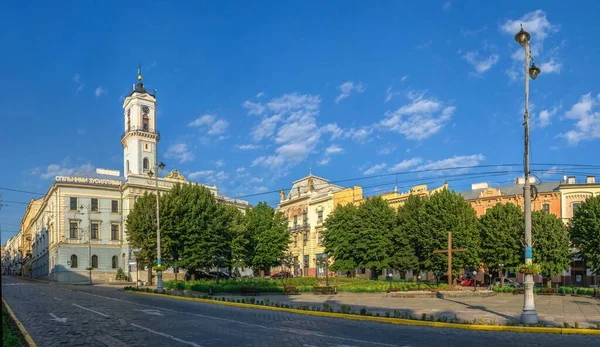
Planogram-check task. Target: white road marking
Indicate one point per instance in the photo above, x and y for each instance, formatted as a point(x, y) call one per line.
point(57, 298)
point(167, 336)
point(151, 312)
point(54, 317)
point(89, 309)
point(298, 331)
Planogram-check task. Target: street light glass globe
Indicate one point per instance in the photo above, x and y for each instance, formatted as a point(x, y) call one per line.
point(534, 71)
point(522, 37)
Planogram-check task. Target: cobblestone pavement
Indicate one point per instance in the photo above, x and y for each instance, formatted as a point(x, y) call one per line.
point(70, 315)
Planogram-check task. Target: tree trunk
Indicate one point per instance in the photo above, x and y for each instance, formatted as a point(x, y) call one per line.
point(149, 275)
point(175, 270)
point(501, 278)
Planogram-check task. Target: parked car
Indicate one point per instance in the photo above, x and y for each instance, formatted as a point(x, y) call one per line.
point(221, 274)
point(469, 283)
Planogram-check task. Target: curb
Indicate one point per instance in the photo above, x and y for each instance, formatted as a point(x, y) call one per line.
point(20, 325)
point(397, 321)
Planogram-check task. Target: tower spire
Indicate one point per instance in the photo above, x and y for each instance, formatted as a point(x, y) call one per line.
point(140, 72)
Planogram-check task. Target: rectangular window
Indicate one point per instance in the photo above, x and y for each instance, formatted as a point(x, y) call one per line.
point(73, 204)
point(295, 221)
point(114, 232)
point(94, 229)
point(295, 240)
point(575, 206)
point(73, 226)
point(114, 206)
point(320, 238)
point(546, 208)
point(306, 260)
point(304, 218)
point(305, 239)
point(319, 216)
point(94, 206)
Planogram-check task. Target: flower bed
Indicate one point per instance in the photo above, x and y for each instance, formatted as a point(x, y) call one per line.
point(539, 290)
point(303, 284)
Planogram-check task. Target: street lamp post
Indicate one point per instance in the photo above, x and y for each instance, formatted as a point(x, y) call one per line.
point(501, 266)
point(89, 239)
point(159, 282)
point(529, 315)
point(390, 275)
point(474, 281)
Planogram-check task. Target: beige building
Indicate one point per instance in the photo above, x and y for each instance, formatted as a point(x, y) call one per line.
point(306, 206)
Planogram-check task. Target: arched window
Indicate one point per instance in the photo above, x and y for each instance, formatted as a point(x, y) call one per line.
point(127, 166)
point(128, 121)
point(115, 261)
point(146, 123)
point(95, 261)
point(146, 164)
point(73, 261)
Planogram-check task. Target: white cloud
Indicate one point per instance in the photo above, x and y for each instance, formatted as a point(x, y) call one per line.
point(180, 152)
point(420, 119)
point(324, 161)
point(447, 5)
point(219, 163)
point(544, 118)
point(425, 45)
point(404, 78)
point(206, 119)
point(334, 149)
point(99, 91)
point(256, 180)
point(77, 80)
point(386, 150)
point(481, 64)
point(63, 169)
point(473, 32)
point(261, 189)
point(240, 169)
point(248, 147)
point(254, 108)
point(266, 127)
point(347, 88)
point(209, 176)
point(405, 164)
point(551, 66)
point(375, 169)
point(390, 93)
point(260, 94)
point(587, 125)
point(464, 162)
point(211, 124)
point(333, 129)
point(218, 127)
point(359, 135)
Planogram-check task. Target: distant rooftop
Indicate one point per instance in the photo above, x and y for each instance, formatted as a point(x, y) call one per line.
point(515, 189)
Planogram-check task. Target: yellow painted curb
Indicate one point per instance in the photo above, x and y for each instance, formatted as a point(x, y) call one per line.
point(398, 321)
point(20, 325)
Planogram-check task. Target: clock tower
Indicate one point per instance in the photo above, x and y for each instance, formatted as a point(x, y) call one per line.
point(140, 138)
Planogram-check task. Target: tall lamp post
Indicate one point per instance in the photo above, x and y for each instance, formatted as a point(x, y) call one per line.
point(136, 254)
point(159, 282)
point(89, 239)
point(529, 315)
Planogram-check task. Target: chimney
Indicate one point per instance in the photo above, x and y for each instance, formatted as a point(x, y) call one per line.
point(590, 179)
point(571, 180)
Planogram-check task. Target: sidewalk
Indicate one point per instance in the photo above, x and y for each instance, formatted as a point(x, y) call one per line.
point(498, 309)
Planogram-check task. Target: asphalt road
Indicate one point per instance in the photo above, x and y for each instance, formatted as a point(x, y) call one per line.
point(79, 315)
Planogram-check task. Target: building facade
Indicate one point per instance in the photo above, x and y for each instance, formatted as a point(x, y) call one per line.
point(80, 222)
point(305, 206)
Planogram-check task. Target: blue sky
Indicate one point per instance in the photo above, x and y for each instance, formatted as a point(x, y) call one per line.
point(252, 96)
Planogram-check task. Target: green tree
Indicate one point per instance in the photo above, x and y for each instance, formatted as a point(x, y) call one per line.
point(141, 230)
point(341, 237)
point(266, 237)
point(377, 221)
point(445, 211)
point(230, 222)
point(173, 232)
point(584, 229)
point(406, 254)
point(501, 232)
point(550, 243)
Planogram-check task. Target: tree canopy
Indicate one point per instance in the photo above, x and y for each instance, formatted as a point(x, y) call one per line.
point(550, 243)
point(501, 233)
point(584, 229)
point(141, 228)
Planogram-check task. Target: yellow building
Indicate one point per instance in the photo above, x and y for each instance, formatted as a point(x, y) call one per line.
point(27, 234)
point(394, 199)
point(306, 206)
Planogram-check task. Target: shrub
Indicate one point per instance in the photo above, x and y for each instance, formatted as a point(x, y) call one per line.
point(120, 275)
point(424, 316)
point(346, 309)
point(363, 311)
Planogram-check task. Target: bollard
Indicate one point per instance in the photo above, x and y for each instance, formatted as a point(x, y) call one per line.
point(210, 291)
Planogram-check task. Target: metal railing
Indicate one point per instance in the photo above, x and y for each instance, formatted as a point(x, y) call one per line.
point(140, 129)
point(299, 227)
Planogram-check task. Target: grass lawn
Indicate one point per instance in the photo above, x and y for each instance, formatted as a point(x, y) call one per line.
point(303, 284)
point(10, 334)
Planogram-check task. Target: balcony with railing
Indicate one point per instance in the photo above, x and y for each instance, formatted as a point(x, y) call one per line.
point(140, 130)
point(299, 227)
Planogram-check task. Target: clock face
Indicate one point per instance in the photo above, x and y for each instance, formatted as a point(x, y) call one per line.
point(145, 109)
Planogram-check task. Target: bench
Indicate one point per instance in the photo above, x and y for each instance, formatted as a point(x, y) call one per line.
point(248, 290)
point(323, 290)
point(289, 289)
point(519, 291)
point(549, 291)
